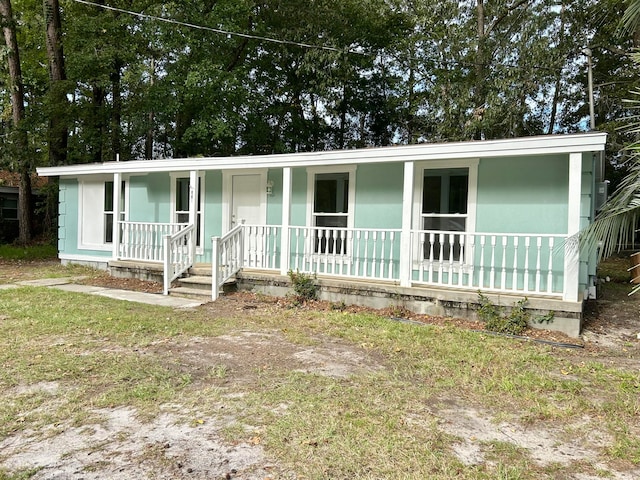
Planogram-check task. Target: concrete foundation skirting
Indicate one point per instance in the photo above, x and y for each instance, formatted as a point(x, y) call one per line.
point(153, 272)
point(86, 263)
point(567, 316)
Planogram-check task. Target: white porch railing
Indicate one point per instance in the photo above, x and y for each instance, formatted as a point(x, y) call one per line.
point(144, 241)
point(497, 262)
point(262, 246)
point(500, 262)
point(365, 253)
point(179, 250)
point(227, 258)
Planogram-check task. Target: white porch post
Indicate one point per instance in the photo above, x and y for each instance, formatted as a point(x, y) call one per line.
point(405, 236)
point(117, 186)
point(286, 219)
point(572, 253)
point(193, 209)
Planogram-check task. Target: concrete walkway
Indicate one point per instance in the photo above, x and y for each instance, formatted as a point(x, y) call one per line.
point(128, 295)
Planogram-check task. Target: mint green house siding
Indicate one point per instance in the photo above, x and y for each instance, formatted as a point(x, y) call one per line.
point(299, 197)
point(274, 200)
point(149, 198)
point(67, 215)
point(523, 195)
point(378, 202)
point(212, 208)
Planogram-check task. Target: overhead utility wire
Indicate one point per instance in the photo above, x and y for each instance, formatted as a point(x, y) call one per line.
point(276, 40)
point(218, 30)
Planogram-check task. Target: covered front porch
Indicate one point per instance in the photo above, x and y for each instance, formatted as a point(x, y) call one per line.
point(438, 273)
point(517, 264)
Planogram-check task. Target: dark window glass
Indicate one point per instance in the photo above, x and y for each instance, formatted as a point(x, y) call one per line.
point(9, 208)
point(331, 193)
point(331, 196)
point(444, 202)
point(182, 195)
point(108, 196)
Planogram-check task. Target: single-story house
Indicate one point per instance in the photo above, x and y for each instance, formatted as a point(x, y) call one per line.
point(426, 226)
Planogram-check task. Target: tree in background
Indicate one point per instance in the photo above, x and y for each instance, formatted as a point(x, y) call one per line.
point(16, 143)
point(150, 79)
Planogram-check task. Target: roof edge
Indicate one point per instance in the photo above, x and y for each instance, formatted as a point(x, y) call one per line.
point(537, 145)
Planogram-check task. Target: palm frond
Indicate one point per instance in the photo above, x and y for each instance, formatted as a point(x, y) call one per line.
point(615, 224)
point(631, 17)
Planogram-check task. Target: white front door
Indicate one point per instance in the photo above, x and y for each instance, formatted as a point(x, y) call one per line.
point(246, 200)
point(245, 197)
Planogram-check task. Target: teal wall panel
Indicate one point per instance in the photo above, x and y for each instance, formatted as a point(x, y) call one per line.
point(526, 194)
point(274, 201)
point(213, 205)
point(299, 197)
point(68, 229)
point(379, 196)
point(149, 198)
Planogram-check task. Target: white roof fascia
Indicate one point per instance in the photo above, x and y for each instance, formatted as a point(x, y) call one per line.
point(548, 144)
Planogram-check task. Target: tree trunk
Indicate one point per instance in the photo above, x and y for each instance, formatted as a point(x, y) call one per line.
point(479, 93)
point(19, 134)
point(116, 116)
point(148, 141)
point(58, 131)
point(97, 124)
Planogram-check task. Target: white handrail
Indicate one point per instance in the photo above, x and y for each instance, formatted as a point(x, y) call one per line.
point(227, 257)
point(178, 255)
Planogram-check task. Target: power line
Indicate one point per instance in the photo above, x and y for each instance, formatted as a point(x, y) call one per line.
point(218, 30)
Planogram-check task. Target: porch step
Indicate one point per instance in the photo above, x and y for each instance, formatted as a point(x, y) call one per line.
point(201, 270)
point(198, 285)
point(196, 282)
point(190, 292)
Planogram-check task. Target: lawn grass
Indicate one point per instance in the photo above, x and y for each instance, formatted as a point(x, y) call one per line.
point(97, 352)
point(616, 267)
point(31, 252)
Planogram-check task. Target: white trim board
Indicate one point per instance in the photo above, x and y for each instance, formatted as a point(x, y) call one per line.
point(525, 146)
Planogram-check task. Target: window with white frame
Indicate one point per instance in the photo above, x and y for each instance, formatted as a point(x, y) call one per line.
point(108, 209)
point(96, 214)
point(331, 209)
point(444, 209)
point(445, 202)
point(181, 205)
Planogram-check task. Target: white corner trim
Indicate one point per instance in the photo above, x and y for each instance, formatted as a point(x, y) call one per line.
point(572, 254)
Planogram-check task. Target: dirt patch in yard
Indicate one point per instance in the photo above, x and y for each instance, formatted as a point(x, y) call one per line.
point(120, 446)
point(239, 358)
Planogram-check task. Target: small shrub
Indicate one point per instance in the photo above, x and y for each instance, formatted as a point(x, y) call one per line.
point(340, 306)
point(547, 318)
point(304, 286)
point(496, 320)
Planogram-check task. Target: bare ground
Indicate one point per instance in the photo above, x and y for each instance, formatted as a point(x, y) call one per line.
point(181, 444)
